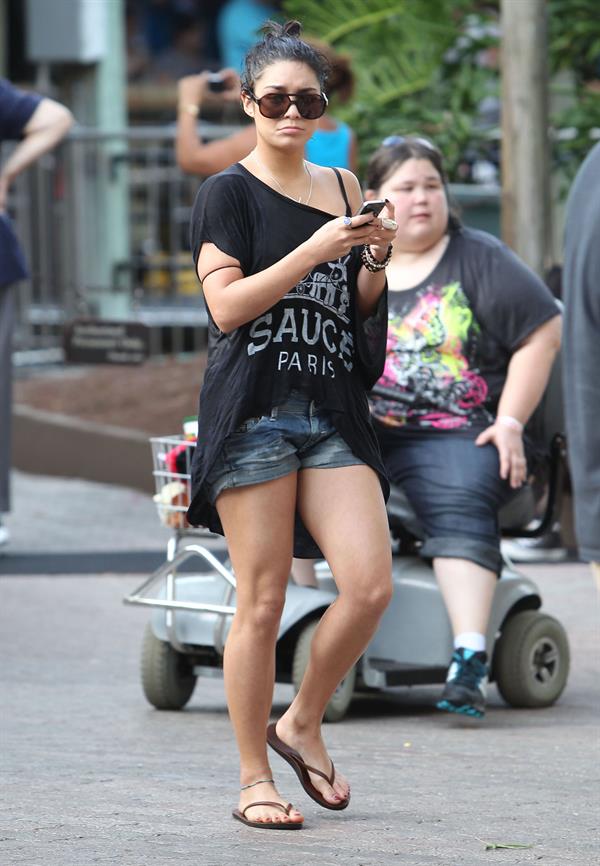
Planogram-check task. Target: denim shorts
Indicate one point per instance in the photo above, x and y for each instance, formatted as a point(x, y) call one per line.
point(297, 434)
point(455, 488)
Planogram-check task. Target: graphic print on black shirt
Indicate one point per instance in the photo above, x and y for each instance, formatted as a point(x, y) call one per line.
point(430, 373)
point(450, 339)
point(309, 330)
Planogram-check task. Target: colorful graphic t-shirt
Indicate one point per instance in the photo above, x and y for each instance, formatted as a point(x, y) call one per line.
point(450, 338)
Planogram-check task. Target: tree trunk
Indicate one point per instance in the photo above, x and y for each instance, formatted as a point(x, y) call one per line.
point(525, 146)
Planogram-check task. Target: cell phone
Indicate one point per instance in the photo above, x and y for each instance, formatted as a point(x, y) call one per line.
point(216, 83)
point(375, 206)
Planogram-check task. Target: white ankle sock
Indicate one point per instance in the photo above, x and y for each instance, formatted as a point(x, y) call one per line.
point(470, 640)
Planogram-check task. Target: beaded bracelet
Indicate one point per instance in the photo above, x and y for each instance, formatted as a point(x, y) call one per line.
point(371, 263)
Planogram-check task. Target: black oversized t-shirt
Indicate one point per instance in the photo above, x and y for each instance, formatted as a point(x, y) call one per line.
point(451, 337)
point(312, 339)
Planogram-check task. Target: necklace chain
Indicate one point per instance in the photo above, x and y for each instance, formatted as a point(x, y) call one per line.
point(274, 179)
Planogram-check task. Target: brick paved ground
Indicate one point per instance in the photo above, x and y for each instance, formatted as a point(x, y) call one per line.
point(93, 775)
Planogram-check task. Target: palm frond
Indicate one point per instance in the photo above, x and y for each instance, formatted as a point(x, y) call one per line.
point(397, 49)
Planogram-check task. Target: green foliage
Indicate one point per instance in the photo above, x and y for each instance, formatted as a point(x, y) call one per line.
point(574, 38)
point(414, 74)
point(575, 131)
point(418, 69)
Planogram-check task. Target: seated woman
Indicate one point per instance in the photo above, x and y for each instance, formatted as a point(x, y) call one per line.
point(472, 336)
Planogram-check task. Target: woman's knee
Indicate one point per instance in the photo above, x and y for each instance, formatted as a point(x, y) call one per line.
point(261, 611)
point(380, 595)
point(370, 592)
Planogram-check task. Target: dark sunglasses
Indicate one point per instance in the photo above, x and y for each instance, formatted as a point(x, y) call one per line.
point(274, 105)
point(396, 140)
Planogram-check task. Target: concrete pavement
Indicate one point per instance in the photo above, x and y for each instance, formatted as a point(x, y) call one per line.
point(93, 774)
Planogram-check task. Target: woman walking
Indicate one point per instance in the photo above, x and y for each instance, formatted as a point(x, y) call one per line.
point(287, 460)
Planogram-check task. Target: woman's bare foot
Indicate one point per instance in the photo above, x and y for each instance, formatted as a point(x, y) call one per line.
point(310, 746)
point(267, 814)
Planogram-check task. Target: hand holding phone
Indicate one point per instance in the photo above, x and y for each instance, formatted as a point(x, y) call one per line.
point(374, 206)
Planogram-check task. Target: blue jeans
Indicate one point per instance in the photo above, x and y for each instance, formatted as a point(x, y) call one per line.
point(296, 435)
point(455, 489)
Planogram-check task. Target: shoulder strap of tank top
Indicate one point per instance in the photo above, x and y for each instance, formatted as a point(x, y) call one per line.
point(343, 189)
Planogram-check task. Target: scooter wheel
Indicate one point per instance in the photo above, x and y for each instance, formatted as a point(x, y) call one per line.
point(341, 699)
point(167, 676)
point(531, 659)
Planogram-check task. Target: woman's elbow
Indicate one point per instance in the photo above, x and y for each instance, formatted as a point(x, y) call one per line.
point(547, 336)
point(59, 118)
point(62, 122)
point(225, 325)
point(195, 162)
point(554, 335)
point(185, 162)
point(223, 318)
point(67, 120)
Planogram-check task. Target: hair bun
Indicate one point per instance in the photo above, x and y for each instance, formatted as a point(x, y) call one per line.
point(275, 30)
point(282, 42)
point(292, 29)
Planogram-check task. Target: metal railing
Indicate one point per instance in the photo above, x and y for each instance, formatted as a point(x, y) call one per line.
point(104, 222)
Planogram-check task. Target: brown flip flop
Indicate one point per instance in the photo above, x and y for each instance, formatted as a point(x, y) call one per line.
point(268, 825)
point(302, 770)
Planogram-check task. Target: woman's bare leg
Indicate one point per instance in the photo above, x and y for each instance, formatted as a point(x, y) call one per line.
point(468, 592)
point(344, 511)
point(258, 521)
point(303, 572)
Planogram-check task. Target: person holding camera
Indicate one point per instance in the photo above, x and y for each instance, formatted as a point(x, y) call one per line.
point(287, 459)
point(205, 158)
point(333, 142)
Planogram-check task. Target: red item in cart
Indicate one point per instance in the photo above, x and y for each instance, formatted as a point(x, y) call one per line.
point(173, 465)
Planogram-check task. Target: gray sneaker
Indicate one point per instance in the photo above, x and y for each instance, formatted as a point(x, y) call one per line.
point(465, 689)
point(545, 548)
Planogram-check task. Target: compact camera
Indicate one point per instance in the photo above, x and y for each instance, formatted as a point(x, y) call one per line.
point(216, 82)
